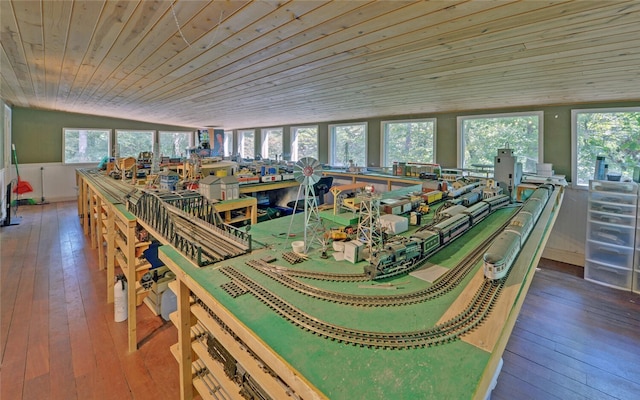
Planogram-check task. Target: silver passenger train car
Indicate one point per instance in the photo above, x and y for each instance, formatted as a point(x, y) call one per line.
point(505, 248)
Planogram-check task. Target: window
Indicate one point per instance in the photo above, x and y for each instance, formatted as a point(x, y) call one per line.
point(174, 144)
point(348, 143)
point(272, 143)
point(228, 143)
point(304, 142)
point(85, 145)
point(612, 133)
point(408, 141)
point(480, 136)
point(246, 143)
point(132, 143)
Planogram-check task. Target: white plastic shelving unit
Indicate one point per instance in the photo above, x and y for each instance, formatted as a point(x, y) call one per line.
point(611, 234)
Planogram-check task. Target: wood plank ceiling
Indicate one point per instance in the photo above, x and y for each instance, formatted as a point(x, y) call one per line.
point(239, 64)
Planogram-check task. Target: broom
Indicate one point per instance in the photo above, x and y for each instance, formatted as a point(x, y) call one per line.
point(22, 187)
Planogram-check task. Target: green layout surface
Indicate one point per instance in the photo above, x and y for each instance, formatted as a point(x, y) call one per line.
point(343, 371)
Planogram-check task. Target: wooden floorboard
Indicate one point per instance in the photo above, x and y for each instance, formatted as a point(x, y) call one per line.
point(573, 339)
point(58, 338)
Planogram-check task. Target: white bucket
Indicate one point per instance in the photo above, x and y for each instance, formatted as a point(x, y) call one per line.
point(298, 246)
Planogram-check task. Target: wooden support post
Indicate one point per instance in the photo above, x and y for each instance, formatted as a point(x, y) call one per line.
point(85, 212)
point(94, 224)
point(100, 231)
point(111, 253)
point(131, 282)
point(184, 341)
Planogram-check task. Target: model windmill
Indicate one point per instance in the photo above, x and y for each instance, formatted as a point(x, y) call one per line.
point(307, 172)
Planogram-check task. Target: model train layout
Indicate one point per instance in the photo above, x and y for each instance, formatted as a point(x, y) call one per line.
point(254, 306)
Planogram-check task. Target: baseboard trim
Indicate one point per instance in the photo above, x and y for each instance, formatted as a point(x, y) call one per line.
point(564, 256)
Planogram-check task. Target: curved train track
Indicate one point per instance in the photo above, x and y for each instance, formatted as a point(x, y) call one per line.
point(468, 319)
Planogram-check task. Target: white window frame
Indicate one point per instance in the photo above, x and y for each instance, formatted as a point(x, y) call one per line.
point(384, 162)
point(241, 137)
point(332, 153)
point(294, 141)
point(64, 143)
point(264, 141)
point(461, 119)
point(574, 137)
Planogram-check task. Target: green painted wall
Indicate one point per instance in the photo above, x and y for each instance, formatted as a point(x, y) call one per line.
point(37, 134)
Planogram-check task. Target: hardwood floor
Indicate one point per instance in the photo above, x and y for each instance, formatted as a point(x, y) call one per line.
point(58, 337)
point(573, 339)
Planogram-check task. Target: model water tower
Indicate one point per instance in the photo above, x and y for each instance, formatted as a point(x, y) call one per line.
point(507, 172)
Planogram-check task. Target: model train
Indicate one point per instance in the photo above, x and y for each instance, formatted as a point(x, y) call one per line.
point(402, 254)
point(505, 248)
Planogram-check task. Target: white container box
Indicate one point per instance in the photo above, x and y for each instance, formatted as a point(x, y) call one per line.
point(611, 234)
point(394, 224)
point(608, 254)
point(607, 275)
point(353, 251)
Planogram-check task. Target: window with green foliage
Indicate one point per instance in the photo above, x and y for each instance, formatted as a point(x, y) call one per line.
point(272, 144)
point(408, 141)
point(612, 133)
point(85, 145)
point(246, 143)
point(480, 137)
point(304, 142)
point(174, 144)
point(348, 143)
point(132, 143)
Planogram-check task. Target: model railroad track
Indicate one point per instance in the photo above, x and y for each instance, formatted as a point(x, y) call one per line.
point(321, 276)
point(441, 287)
point(116, 189)
point(445, 284)
point(468, 319)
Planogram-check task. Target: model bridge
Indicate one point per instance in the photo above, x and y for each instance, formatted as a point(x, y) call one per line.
point(185, 219)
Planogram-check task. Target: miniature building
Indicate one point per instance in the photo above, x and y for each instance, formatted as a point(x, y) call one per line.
point(220, 187)
point(491, 189)
point(507, 171)
point(457, 184)
point(168, 179)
